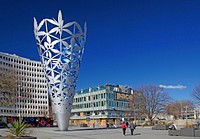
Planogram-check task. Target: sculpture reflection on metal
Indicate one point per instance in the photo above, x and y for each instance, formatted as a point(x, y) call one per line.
point(60, 47)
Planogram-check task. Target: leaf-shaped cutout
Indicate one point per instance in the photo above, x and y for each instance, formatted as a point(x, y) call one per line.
point(56, 78)
point(59, 17)
point(47, 63)
point(68, 31)
point(46, 45)
point(54, 30)
point(78, 36)
point(41, 33)
point(35, 23)
point(53, 22)
point(66, 60)
point(52, 74)
point(68, 24)
point(38, 39)
point(79, 27)
point(55, 50)
point(47, 54)
point(65, 44)
point(72, 42)
point(55, 42)
point(68, 52)
point(56, 81)
point(85, 28)
point(42, 47)
point(61, 23)
point(48, 39)
point(77, 48)
point(40, 24)
point(55, 62)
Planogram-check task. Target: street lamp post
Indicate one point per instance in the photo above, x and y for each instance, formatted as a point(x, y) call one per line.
point(181, 111)
point(93, 111)
point(19, 101)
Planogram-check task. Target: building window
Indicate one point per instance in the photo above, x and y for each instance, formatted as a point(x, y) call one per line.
point(102, 104)
point(117, 104)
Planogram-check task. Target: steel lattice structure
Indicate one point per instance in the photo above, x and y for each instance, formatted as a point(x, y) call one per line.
point(60, 47)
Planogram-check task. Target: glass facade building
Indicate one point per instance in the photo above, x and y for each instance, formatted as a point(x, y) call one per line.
point(103, 104)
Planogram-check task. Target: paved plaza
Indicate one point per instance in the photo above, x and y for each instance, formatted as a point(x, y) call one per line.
point(101, 133)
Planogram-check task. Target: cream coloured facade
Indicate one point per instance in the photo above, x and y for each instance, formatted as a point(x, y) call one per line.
point(33, 83)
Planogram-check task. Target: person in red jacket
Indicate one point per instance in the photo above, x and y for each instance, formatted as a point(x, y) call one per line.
point(124, 126)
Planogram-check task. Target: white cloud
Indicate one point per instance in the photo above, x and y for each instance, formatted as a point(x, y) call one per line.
point(173, 86)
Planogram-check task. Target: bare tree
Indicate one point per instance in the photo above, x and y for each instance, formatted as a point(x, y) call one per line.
point(154, 101)
point(178, 108)
point(174, 109)
point(137, 105)
point(196, 93)
point(8, 87)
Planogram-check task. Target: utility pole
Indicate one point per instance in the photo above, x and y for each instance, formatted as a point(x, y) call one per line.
point(93, 124)
point(186, 107)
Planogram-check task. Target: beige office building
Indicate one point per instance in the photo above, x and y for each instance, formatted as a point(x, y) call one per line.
point(33, 86)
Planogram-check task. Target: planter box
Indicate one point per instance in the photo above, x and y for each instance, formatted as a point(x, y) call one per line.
point(160, 127)
point(188, 132)
point(197, 133)
point(27, 137)
point(174, 132)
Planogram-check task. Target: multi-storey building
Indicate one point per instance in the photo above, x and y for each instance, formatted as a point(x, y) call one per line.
point(102, 104)
point(99, 105)
point(32, 91)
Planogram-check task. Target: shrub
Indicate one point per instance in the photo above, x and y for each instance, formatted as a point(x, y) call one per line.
point(18, 128)
point(189, 126)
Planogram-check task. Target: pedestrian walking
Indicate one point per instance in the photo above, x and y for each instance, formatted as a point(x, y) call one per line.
point(124, 128)
point(198, 124)
point(132, 127)
point(127, 124)
point(107, 125)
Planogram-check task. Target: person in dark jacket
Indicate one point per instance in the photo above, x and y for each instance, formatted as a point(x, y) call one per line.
point(124, 128)
point(172, 127)
point(127, 124)
point(132, 127)
point(107, 125)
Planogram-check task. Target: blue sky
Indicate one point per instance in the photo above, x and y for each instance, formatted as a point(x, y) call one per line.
point(129, 42)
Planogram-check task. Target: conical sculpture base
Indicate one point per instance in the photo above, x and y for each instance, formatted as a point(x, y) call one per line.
point(60, 47)
point(62, 120)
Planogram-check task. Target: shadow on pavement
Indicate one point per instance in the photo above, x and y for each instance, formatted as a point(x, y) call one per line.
point(83, 129)
point(137, 134)
point(133, 134)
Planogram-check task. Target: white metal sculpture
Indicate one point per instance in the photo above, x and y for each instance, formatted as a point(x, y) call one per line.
point(60, 47)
